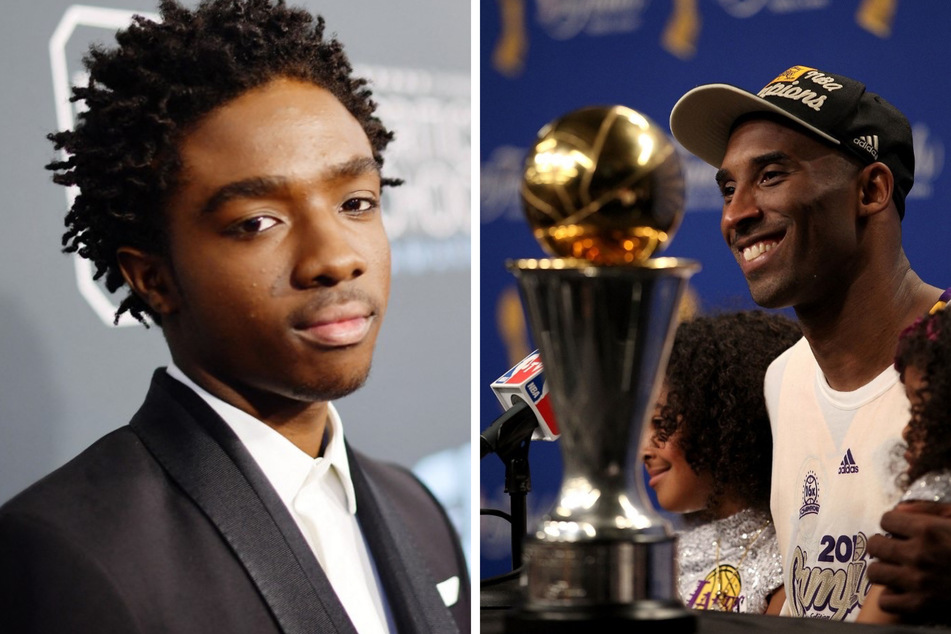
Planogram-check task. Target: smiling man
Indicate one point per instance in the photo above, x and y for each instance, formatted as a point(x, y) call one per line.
point(814, 171)
point(230, 175)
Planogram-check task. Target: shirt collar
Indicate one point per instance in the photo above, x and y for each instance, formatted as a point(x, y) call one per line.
point(283, 463)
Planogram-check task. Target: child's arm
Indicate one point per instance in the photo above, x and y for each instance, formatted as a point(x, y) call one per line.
point(871, 613)
point(776, 600)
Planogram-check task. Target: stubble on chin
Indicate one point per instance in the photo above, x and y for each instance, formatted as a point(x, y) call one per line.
point(769, 292)
point(764, 299)
point(330, 389)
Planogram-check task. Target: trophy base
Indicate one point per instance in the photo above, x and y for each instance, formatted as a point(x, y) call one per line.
point(643, 616)
point(500, 596)
point(587, 576)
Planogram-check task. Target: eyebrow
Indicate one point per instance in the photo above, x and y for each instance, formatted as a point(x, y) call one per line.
point(757, 161)
point(255, 187)
point(357, 166)
point(260, 186)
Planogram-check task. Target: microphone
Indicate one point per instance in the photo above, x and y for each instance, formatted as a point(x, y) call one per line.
point(515, 425)
point(525, 398)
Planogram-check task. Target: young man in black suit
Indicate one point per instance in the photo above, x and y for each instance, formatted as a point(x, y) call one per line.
point(230, 175)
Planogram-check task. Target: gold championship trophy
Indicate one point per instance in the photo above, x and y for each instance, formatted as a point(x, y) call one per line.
point(602, 189)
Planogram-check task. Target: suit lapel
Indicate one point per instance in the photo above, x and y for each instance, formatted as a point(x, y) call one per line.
point(203, 456)
point(410, 589)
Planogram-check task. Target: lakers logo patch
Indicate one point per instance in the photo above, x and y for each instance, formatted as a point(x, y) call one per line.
point(720, 590)
point(792, 74)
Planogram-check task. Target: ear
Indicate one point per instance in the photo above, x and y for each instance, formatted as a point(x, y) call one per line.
point(876, 185)
point(150, 277)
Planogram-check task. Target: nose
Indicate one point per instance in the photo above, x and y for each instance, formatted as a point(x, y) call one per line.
point(328, 251)
point(649, 445)
point(740, 213)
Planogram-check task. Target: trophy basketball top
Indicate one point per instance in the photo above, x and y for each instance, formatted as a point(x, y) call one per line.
point(604, 185)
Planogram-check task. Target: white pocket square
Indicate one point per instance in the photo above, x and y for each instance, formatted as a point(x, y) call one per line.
point(449, 590)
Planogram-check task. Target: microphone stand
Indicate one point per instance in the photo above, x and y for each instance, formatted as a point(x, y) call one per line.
point(511, 444)
point(518, 484)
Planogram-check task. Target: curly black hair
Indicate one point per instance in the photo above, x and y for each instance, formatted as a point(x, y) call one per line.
point(926, 345)
point(715, 399)
point(144, 96)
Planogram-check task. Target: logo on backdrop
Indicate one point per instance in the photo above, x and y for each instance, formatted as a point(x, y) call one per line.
point(427, 219)
point(875, 16)
point(929, 160)
point(500, 182)
point(749, 8)
point(702, 193)
point(565, 19)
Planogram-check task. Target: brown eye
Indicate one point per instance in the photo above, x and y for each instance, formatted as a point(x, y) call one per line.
point(361, 205)
point(252, 226)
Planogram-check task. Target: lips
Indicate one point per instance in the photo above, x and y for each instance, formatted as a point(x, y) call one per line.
point(754, 251)
point(758, 249)
point(656, 473)
point(338, 325)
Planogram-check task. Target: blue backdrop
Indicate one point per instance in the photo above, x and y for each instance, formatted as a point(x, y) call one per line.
point(543, 58)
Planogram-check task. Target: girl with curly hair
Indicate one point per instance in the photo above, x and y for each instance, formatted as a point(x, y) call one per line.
point(923, 360)
point(709, 457)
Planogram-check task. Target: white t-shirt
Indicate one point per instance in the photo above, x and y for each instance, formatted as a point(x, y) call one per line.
point(835, 464)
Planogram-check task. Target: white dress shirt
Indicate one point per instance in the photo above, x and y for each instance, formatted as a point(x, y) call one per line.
point(319, 495)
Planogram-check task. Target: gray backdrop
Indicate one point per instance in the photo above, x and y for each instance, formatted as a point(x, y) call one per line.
point(66, 377)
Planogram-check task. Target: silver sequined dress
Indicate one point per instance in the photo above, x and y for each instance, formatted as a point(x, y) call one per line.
point(931, 487)
point(745, 581)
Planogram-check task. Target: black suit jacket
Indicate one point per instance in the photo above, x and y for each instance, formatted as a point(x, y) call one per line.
point(168, 525)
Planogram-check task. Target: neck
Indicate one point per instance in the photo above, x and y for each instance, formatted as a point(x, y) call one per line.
point(304, 427)
point(854, 336)
point(301, 422)
point(726, 507)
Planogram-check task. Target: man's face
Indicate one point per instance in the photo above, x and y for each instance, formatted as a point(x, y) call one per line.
point(276, 245)
point(789, 214)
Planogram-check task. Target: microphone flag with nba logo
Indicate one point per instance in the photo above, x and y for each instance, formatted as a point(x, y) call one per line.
point(526, 383)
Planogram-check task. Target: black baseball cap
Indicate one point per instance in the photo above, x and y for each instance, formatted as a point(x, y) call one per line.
point(835, 108)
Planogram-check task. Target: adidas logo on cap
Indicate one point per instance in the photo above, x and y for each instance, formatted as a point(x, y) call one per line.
point(848, 463)
point(869, 143)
